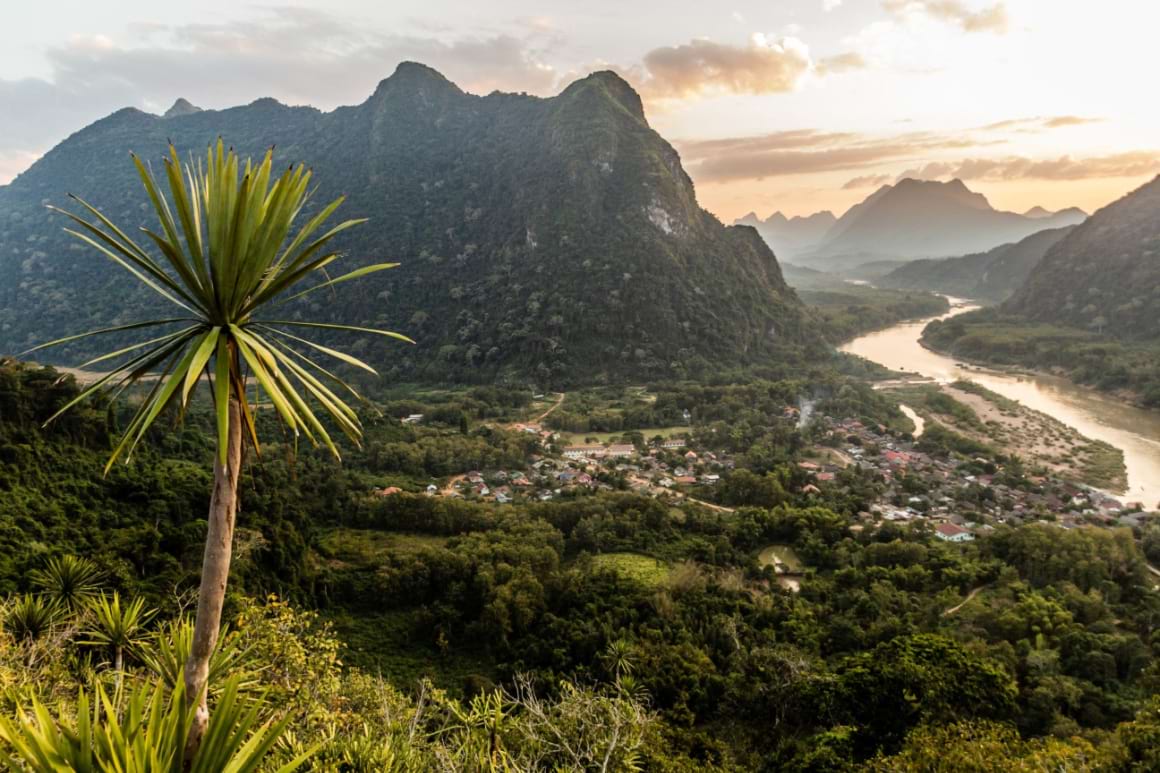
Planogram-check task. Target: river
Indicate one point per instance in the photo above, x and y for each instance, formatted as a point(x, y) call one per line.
point(1134, 431)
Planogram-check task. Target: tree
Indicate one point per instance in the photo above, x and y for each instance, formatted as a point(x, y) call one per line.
point(227, 257)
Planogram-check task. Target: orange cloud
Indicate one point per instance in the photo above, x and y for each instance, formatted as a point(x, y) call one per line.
point(992, 19)
point(851, 60)
point(868, 181)
point(1039, 123)
point(805, 151)
point(703, 66)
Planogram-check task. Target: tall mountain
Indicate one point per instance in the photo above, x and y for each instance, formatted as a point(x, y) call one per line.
point(1105, 276)
point(789, 237)
point(991, 276)
point(925, 219)
point(553, 239)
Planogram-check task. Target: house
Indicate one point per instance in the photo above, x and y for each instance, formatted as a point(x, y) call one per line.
point(502, 498)
point(896, 458)
point(948, 532)
point(414, 418)
point(672, 443)
point(620, 451)
point(432, 488)
point(809, 466)
point(578, 452)
point(691, 456)
point(388, 491)
point(825, 476)
point(686, 480)
point(709, 480)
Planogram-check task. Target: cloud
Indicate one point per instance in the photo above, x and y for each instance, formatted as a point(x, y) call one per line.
point(805, 151)
point(763, 66)
point(295, 55)
point(930, 171)
point(846, 62)
point(1031, 125)
point(1069, 120)
point(990, 19)
point(868, 181)
point(829, 5)
point(1131, 164)
point(1062, 169)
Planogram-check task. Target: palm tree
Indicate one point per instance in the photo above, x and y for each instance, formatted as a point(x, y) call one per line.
point(227, 256)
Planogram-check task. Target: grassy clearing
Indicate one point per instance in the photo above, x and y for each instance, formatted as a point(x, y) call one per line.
point(365, 547)
point(648, 571)
point(573, 438)
point(783, 554)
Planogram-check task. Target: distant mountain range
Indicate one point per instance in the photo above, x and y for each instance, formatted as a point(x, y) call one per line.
point(1105, 276)
point(921, 219)
point(549, 239)
point(789, 237)
point(991, 276)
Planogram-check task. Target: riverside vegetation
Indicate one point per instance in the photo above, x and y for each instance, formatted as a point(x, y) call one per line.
point(1087, 309)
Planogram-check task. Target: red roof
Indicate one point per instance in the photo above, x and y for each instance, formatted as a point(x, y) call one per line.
point(950, 530)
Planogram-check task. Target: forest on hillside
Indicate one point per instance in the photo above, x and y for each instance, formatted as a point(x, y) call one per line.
point(435, 632)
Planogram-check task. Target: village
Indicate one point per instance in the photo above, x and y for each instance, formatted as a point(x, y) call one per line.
point(956, 497)
point(959, 497)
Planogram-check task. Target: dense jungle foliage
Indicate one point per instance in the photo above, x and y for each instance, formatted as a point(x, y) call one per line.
point(453, 634)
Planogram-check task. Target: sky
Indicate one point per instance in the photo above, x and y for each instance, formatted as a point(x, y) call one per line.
point(790, 105)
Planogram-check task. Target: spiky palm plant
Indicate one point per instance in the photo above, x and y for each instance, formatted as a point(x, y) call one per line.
point(167, 653)
point(29, 618)
point(145, 732)
point(117, 627)
point(228, 254)
point(68, 580)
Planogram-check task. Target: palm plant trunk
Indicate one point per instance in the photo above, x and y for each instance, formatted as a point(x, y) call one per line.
point(215, 570)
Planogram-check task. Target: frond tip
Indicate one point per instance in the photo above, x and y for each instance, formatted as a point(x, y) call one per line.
point(224, 250)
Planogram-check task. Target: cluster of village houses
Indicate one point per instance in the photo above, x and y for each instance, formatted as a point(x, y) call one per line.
point(950, 498)
point(950, 501)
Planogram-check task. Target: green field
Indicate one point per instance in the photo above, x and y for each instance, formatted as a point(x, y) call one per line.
point(365, 547)
point(579, 438)
point(646, 570)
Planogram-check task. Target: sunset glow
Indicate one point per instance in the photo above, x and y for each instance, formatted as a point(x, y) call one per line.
point(798, 105)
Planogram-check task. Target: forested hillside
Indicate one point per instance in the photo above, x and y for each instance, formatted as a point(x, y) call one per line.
point(540, 239)
point(1105, 276)
point(991, 277)
point(652, 628)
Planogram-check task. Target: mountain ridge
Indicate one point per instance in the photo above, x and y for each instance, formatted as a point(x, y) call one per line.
point(1105, 276)
point(541, 238)
point(991, 276)
point(914, 219)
